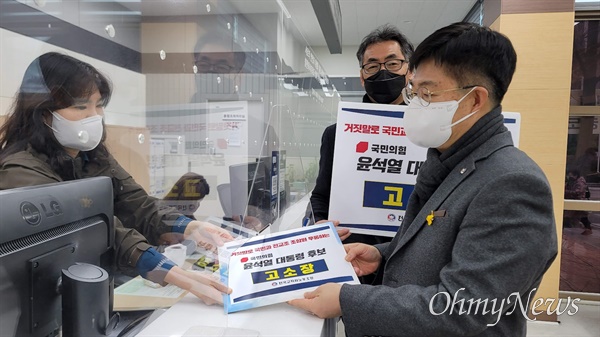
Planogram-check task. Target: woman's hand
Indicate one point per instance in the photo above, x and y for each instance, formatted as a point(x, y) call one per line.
point(249, 222)
point(343, 233)
point(207, 235)
point(204, 285)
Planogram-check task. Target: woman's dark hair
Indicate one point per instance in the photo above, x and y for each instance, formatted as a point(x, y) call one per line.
point(51, 82)
point(191, 186)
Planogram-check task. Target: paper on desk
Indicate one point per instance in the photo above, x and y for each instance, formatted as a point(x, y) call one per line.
point(137, 287)
point(137, 295)
point(278, 267)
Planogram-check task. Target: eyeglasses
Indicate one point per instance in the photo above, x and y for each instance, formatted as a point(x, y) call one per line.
point(391, 65)
point(206, 67)
point(424, 95)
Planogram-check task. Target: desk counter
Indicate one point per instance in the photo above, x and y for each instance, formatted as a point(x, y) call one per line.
point(277, 320)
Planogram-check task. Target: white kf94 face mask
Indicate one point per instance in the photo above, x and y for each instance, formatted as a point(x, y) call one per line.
point(431, 126)
point(82, 135)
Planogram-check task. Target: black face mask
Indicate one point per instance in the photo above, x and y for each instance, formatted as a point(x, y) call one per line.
point(385, 87)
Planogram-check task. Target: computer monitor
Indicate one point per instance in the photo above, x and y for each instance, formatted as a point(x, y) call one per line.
point(44, 229)
point(250, 190)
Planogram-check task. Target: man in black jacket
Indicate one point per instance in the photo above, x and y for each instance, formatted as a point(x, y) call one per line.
point(383, 59)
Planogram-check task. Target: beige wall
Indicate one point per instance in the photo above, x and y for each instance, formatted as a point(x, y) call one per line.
point(131, 148)
point(540, 91)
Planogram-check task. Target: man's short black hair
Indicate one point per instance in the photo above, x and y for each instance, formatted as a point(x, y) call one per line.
point(384, 33)
point(471, 53)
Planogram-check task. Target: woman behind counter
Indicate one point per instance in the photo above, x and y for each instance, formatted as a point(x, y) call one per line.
point(55, 132)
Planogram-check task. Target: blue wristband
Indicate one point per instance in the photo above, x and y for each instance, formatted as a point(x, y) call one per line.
point(151, 260)
point(180, 224)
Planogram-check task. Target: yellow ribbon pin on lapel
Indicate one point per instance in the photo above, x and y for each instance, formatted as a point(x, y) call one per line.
point(429, 218)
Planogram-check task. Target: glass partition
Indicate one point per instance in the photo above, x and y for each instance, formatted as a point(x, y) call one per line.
point(224, 97)
point(243, 103)
point(217, 110)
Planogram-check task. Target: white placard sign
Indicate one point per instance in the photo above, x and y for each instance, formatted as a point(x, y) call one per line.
point(278, 267)
point(375, 167)
point(512, 121)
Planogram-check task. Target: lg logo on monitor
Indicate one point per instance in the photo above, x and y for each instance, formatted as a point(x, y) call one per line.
point(32, 214)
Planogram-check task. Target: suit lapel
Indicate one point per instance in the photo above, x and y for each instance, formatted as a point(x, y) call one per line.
point(465, 168)
point(437, 198)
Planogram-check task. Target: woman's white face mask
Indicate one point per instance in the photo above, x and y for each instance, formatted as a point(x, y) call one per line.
point(82, 135)
point(431, 126)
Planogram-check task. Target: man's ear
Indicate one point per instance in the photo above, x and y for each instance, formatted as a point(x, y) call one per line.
point(409, 75)
point(481, 99)
point(362, 79)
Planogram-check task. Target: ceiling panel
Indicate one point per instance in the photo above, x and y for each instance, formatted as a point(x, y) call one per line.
point(387, 12)
point(416, 18)
point(364, 21)
point(349, 19)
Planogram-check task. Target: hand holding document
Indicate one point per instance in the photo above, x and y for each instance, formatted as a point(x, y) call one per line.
point(282, 266)
point(137, 295)
point(202, 284)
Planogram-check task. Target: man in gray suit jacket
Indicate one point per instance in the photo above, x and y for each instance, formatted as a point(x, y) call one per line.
point(480, 229)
